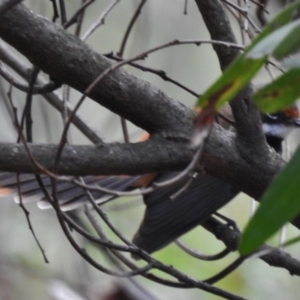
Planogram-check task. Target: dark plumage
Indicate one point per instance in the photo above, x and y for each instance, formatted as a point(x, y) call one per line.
point(166, 219)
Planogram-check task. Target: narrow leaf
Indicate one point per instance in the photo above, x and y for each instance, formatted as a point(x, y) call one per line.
point(280, 93)
point(283, 18)
point(279, 204)
point(233, 80)
point(291, 62)
point(292, 241)
point(289, 44)
point(243, 69)
point(279, 43)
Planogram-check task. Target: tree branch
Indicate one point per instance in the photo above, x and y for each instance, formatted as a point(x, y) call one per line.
point(71, 59)
point(155, 155)
point(276, 257)
point(14, 62)
point(250, 140)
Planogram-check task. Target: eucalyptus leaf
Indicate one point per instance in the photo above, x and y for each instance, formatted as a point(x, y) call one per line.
point(280, 93)
point(279, 205)
point(291, 62)
point(292, 241)
point(244, 68)
point(280, 43)
point(289, 44)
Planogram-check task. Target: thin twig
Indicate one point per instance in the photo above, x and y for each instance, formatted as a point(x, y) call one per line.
point(28, 105)
point(80, 20)
point(36, 89)
point(199, 255)
point(185, 7)
point(228, 270)
point(149, 259)
point(18, 65)
point(162, 74)
point(100, 20)
point(82, 252)
point(26, 212)
point(243, 12)
point(63, 12)
point(55, 11)
point(129, 28)
point(261, 10)
point(76, 15)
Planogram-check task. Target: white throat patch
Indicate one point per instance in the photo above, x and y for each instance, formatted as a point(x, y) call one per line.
point(277, 130)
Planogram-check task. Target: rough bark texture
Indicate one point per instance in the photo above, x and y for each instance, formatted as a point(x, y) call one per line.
point(154, 155)
point(243, 160)
point(69, 60)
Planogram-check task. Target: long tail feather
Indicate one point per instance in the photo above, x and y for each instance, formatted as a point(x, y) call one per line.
point(70, 195)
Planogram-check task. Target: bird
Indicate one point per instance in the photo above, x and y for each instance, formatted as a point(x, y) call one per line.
point(169, 213)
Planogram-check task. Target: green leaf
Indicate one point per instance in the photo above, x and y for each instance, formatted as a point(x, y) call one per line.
point(280, 93)
point(292, 241)
point(279, 204)
point(280, 43)
point(243, 69)
point(290, 43)
point(291, 62)
point(233, 80)
point(283, 18)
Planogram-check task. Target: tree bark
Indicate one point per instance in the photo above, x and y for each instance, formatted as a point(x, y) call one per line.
point(58, 53)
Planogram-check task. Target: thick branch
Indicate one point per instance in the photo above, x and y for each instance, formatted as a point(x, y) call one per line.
point(250, 138)
point(154, 155)
point(276, 258)
point(70, 61)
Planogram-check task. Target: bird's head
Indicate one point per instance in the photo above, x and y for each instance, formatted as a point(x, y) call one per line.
point(280, 124)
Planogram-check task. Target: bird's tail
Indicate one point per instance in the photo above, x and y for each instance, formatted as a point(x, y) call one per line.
point(70, 195)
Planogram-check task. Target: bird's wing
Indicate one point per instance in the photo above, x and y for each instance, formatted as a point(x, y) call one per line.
point(167, 219)
point(70, 195)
